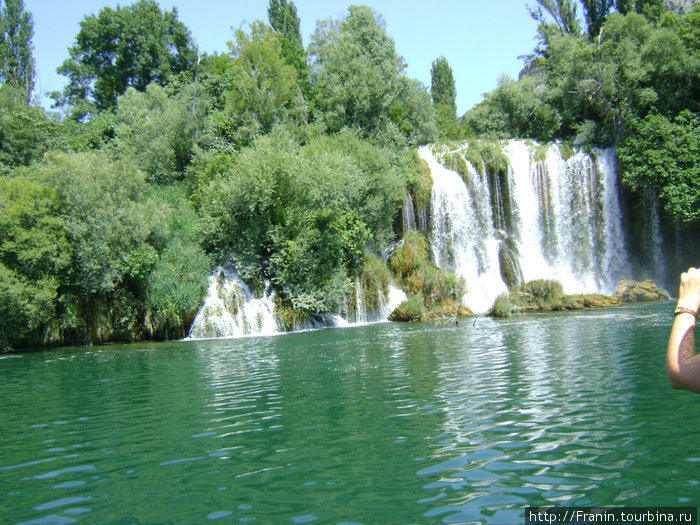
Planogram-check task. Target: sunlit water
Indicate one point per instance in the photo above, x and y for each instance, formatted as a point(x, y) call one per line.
point(377, 424)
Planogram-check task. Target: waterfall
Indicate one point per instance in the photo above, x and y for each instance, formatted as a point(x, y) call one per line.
point(462, 237)
point(408, 216)
point(656, 238)
point(383, 305)
point(231, 309)
point(560, 220)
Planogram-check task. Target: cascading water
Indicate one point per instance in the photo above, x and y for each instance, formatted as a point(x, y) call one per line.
point(655, 238)
point(231, 309)
point(385, 304)
point(462, 242)
point(562, 221)
point(408, 215)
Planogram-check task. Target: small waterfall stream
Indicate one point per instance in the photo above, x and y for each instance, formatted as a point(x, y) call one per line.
point(560, 220)
point(232, 309)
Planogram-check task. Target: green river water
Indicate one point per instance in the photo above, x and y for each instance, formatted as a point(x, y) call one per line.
point(375, 424)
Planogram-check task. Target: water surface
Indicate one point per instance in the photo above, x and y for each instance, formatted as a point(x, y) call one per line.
point(375, 424)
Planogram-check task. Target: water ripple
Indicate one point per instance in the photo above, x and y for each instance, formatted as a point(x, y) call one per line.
point(388, 423)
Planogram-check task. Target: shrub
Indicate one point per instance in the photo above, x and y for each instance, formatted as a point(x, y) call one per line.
point(410, 310)
point(417, 274)
point(502, 307)
point(542, 294)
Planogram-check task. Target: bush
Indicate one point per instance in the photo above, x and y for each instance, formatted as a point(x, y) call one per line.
point(410, 310)
point(502, 307)
point(417, 274)
point(543, 294)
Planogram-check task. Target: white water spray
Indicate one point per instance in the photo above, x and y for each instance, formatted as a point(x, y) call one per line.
point(231, 309)
point(564, 222)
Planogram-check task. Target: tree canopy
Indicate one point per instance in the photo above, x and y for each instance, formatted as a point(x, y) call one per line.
point(125, 47)
point(16, 57)
point(356, 75)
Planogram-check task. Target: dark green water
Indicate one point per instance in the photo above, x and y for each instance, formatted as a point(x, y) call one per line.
point(376, 424)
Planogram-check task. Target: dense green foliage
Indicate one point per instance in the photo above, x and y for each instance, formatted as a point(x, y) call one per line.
point(125, 47)
point(303, 214)
point(636, 65)
point(290, 164)
point(26, 132)
point(662, 155)
point(420, 277)
point(358, 82)
point(16, 59)
point(92, 256)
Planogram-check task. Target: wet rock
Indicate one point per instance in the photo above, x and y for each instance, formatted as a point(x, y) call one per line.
point(640, 292)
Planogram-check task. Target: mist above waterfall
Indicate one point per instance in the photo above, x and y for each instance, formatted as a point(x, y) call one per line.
point(543, 216)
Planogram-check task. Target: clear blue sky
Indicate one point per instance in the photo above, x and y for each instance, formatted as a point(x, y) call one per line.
point(481, 39)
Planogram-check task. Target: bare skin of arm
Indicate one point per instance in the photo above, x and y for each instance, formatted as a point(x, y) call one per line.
point(682, 364)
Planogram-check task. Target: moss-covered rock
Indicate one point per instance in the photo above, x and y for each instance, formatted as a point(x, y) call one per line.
point(511, 272)
point(291, 318)
point(448, 309)
point(593, 300)
point(416, 274)
point(421, 190)
point(410, 310)
point(546, 296)
point(486, 156)
point(640, 292)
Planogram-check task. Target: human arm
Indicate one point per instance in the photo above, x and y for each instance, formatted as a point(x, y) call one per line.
point(682, 365)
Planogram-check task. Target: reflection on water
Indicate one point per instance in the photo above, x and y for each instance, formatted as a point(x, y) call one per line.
point(375, 424)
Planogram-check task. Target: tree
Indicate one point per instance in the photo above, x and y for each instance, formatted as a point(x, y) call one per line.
point(283, 18)
point(660, 155)
point(648, 8)
point(562, 12)
point(515, 109)
point(356, 71)
point(357, 76)
point(161, 132)
point(596, 11)
point(16, 59)
point(442, 84)
point(124, 47)
point(444, 94)
point(25, 131)
point(264, 89)
point(34, 259)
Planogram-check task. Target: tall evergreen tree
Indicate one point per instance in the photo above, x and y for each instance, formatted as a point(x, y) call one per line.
point(444, 94)
point(442, 84)
point(283, 18)
point(16, 58)
point(596, 11)
point(650, 8)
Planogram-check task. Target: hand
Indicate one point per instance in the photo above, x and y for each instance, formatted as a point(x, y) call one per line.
point(689, 291)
